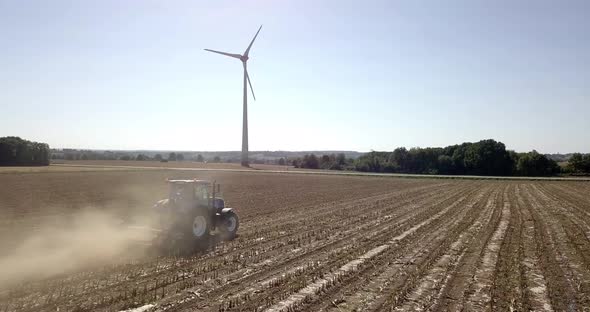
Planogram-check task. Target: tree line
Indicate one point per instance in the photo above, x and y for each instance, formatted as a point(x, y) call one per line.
point(15, 151)
point(579, 164)
point(486, 158)
point(330, 162)
point(75, 154)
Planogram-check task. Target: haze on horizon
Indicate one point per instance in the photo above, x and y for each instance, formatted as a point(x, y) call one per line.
point(335, 75)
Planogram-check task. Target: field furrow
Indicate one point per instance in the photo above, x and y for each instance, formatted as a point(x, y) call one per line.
point(438, 280)
point(397, 249)
point(306, 243)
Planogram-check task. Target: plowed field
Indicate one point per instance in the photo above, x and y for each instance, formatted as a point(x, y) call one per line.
point(318, 243)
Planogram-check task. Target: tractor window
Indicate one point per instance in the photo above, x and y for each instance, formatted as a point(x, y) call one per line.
point(184, 192)
point(201, 192)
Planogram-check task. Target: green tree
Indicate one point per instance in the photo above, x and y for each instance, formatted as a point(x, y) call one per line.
point(341, 159)
point(445, 164)
point(310, 161)
point(576, 163)
point(579, 163)
point(325, 162)
point(401, 157)
point(15, 151)
point(488, 157)
point(375, 162)
point(200, 158)
point(172, 156)
point(534, 164)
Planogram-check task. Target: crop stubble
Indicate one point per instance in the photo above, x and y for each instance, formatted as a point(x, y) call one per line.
point(324, 243)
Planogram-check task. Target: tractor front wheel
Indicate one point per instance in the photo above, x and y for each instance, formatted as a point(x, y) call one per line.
point(229, 225)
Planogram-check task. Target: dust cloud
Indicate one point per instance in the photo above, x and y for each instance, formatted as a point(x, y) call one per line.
point(86, 239)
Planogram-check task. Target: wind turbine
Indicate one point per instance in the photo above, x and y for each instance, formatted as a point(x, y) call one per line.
point(244, 59)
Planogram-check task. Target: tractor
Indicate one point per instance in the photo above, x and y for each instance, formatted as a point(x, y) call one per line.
point(193, 209)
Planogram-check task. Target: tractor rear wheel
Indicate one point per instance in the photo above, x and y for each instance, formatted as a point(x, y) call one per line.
point(229, 225)
point(200, 227)
point(200, 231)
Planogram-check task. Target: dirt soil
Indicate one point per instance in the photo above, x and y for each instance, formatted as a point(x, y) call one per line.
point(306, 243)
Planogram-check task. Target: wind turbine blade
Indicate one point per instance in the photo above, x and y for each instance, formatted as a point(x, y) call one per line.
point(248, 49)
point(250, 83)
point(226, 54)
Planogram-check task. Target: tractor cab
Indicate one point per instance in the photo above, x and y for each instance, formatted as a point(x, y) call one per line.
point(201, 193)
point(186, 194)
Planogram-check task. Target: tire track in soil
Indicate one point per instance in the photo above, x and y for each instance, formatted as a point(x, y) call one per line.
point(395, 279)
point(351, 274)
point(541, 259)
point(566, 199)
point(399, 290)
point(451, 294)
point(480, 289)
point(508, 285)
point(278, 270)
point(507, 294)
point(223, 275)
point(554, 262)
point(72, 279)
point(571, 193)
point(162, 270)
point(326, 260)
point(301, 212)
point(437, 281)
point(377, 242)
point(572, 235)
point(570, 207)
point(575, 222)
point(535, 294)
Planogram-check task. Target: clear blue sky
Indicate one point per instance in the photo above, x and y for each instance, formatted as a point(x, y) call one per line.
point(347, 75)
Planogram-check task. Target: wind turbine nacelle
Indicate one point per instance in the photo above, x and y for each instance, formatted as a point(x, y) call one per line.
point(244, 58)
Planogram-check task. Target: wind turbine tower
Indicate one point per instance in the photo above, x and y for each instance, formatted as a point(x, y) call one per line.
point(244, 59)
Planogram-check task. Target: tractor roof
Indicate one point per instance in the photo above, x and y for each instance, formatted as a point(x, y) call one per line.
point(193, 181)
